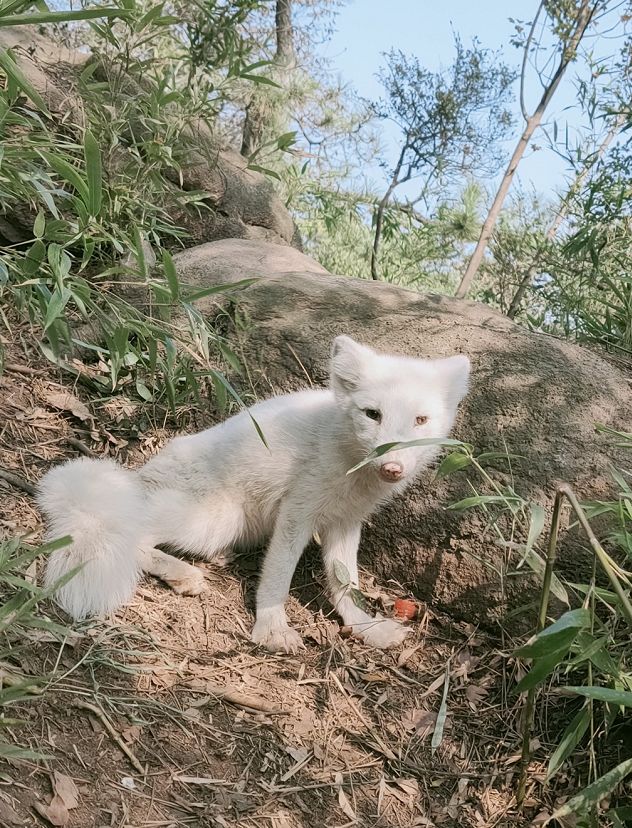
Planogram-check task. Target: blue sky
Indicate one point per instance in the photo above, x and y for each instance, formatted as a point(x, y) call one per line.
point(366, 28)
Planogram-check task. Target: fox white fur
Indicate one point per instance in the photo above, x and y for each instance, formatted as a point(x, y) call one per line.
point(206, 493)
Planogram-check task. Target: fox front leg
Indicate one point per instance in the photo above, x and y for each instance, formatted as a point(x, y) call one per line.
point(292, 533)
point(340, 553)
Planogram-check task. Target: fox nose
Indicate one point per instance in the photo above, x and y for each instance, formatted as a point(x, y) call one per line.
point(391, 472)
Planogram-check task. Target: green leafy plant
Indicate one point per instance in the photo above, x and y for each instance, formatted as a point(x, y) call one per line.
point(585, 654)
point(21, 622)
point(85, 278)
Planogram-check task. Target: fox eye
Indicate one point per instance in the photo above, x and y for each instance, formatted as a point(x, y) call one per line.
point(372, 414)
point(421, 420)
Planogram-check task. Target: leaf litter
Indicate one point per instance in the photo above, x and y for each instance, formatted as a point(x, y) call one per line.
point(170, 675)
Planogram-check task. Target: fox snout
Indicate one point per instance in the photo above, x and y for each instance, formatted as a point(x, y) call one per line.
point(391, 472)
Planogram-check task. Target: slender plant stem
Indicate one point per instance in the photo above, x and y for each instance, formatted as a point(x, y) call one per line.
point(564, 491)
point(599, 551)
point(527, 721)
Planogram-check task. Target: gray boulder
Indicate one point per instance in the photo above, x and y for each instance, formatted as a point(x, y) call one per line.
point(532, 395)
point(236, 202)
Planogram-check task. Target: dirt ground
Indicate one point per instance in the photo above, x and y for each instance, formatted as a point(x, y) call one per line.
point(167, 715)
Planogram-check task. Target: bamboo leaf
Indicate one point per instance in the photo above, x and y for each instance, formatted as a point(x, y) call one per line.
point(535, 563)
point(66, 171)
point(221, 379)
point(94, 173)
point(479, 500)
point(39, 225)
point(591, 796)
point(604, 694)
point(39, 18)
point(386, 447)
point(536, 526)
point(342, 573)
point(55, 308)
point(451, 463)
point(170, 275)
point(259, 79)
point(14, 73)
point(558, 635)
point(209, 291)
point(540, 669)
point(571, 737)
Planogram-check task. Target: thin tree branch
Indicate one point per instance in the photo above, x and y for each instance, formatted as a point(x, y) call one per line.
point(562, 212)
point(569, 51)
point(379, 215)
point(525, 59)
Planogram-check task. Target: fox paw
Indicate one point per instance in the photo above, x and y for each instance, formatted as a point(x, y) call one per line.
point(277, 638)
point(381, 633)
point(188, 582)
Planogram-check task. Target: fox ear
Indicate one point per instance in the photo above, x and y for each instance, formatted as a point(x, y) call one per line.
point(349, 362)
point(455, 372)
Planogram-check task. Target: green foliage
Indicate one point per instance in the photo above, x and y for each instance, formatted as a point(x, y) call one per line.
point(453, 120)
point(21, 623)
point(417, 251)
point(591, 293)
point(100, 193)
point(586, 652)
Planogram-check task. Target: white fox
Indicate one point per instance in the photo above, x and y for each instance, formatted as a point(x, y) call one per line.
point(206, 493)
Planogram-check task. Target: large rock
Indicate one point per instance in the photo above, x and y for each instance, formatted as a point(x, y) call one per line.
point(235, 259)
point(236, 202)
point(534, 395)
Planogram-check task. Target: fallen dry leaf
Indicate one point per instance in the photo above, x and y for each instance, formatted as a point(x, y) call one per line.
point(64, 401)
point(474, 695)
point(131, 733)
point(345, 805)
point(406, 654)
point(421, 721)
point(375, 677)
point(66, 790)
point(299, 754)
point(465, 663)
point(409, 786)
point(56, 813)
point(406, 790)
point(8, 816)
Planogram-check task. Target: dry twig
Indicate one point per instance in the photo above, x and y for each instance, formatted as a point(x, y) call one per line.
point(107, 724)
point(17, 481)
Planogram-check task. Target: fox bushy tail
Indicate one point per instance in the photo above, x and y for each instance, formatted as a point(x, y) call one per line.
point(101, 506)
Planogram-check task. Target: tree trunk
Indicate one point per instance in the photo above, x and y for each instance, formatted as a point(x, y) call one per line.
point(555, 225)
point(284, 34)
point(255, 120)
point(584, 17)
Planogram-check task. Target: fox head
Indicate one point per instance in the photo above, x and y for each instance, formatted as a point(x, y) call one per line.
point(396, 399)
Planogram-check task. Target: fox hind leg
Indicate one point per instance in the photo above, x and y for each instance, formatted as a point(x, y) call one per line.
point(202, 527)
point(182, 577)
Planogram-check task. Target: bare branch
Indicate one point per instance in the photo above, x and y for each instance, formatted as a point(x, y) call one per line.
point(584, 16)
point(525, 59)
